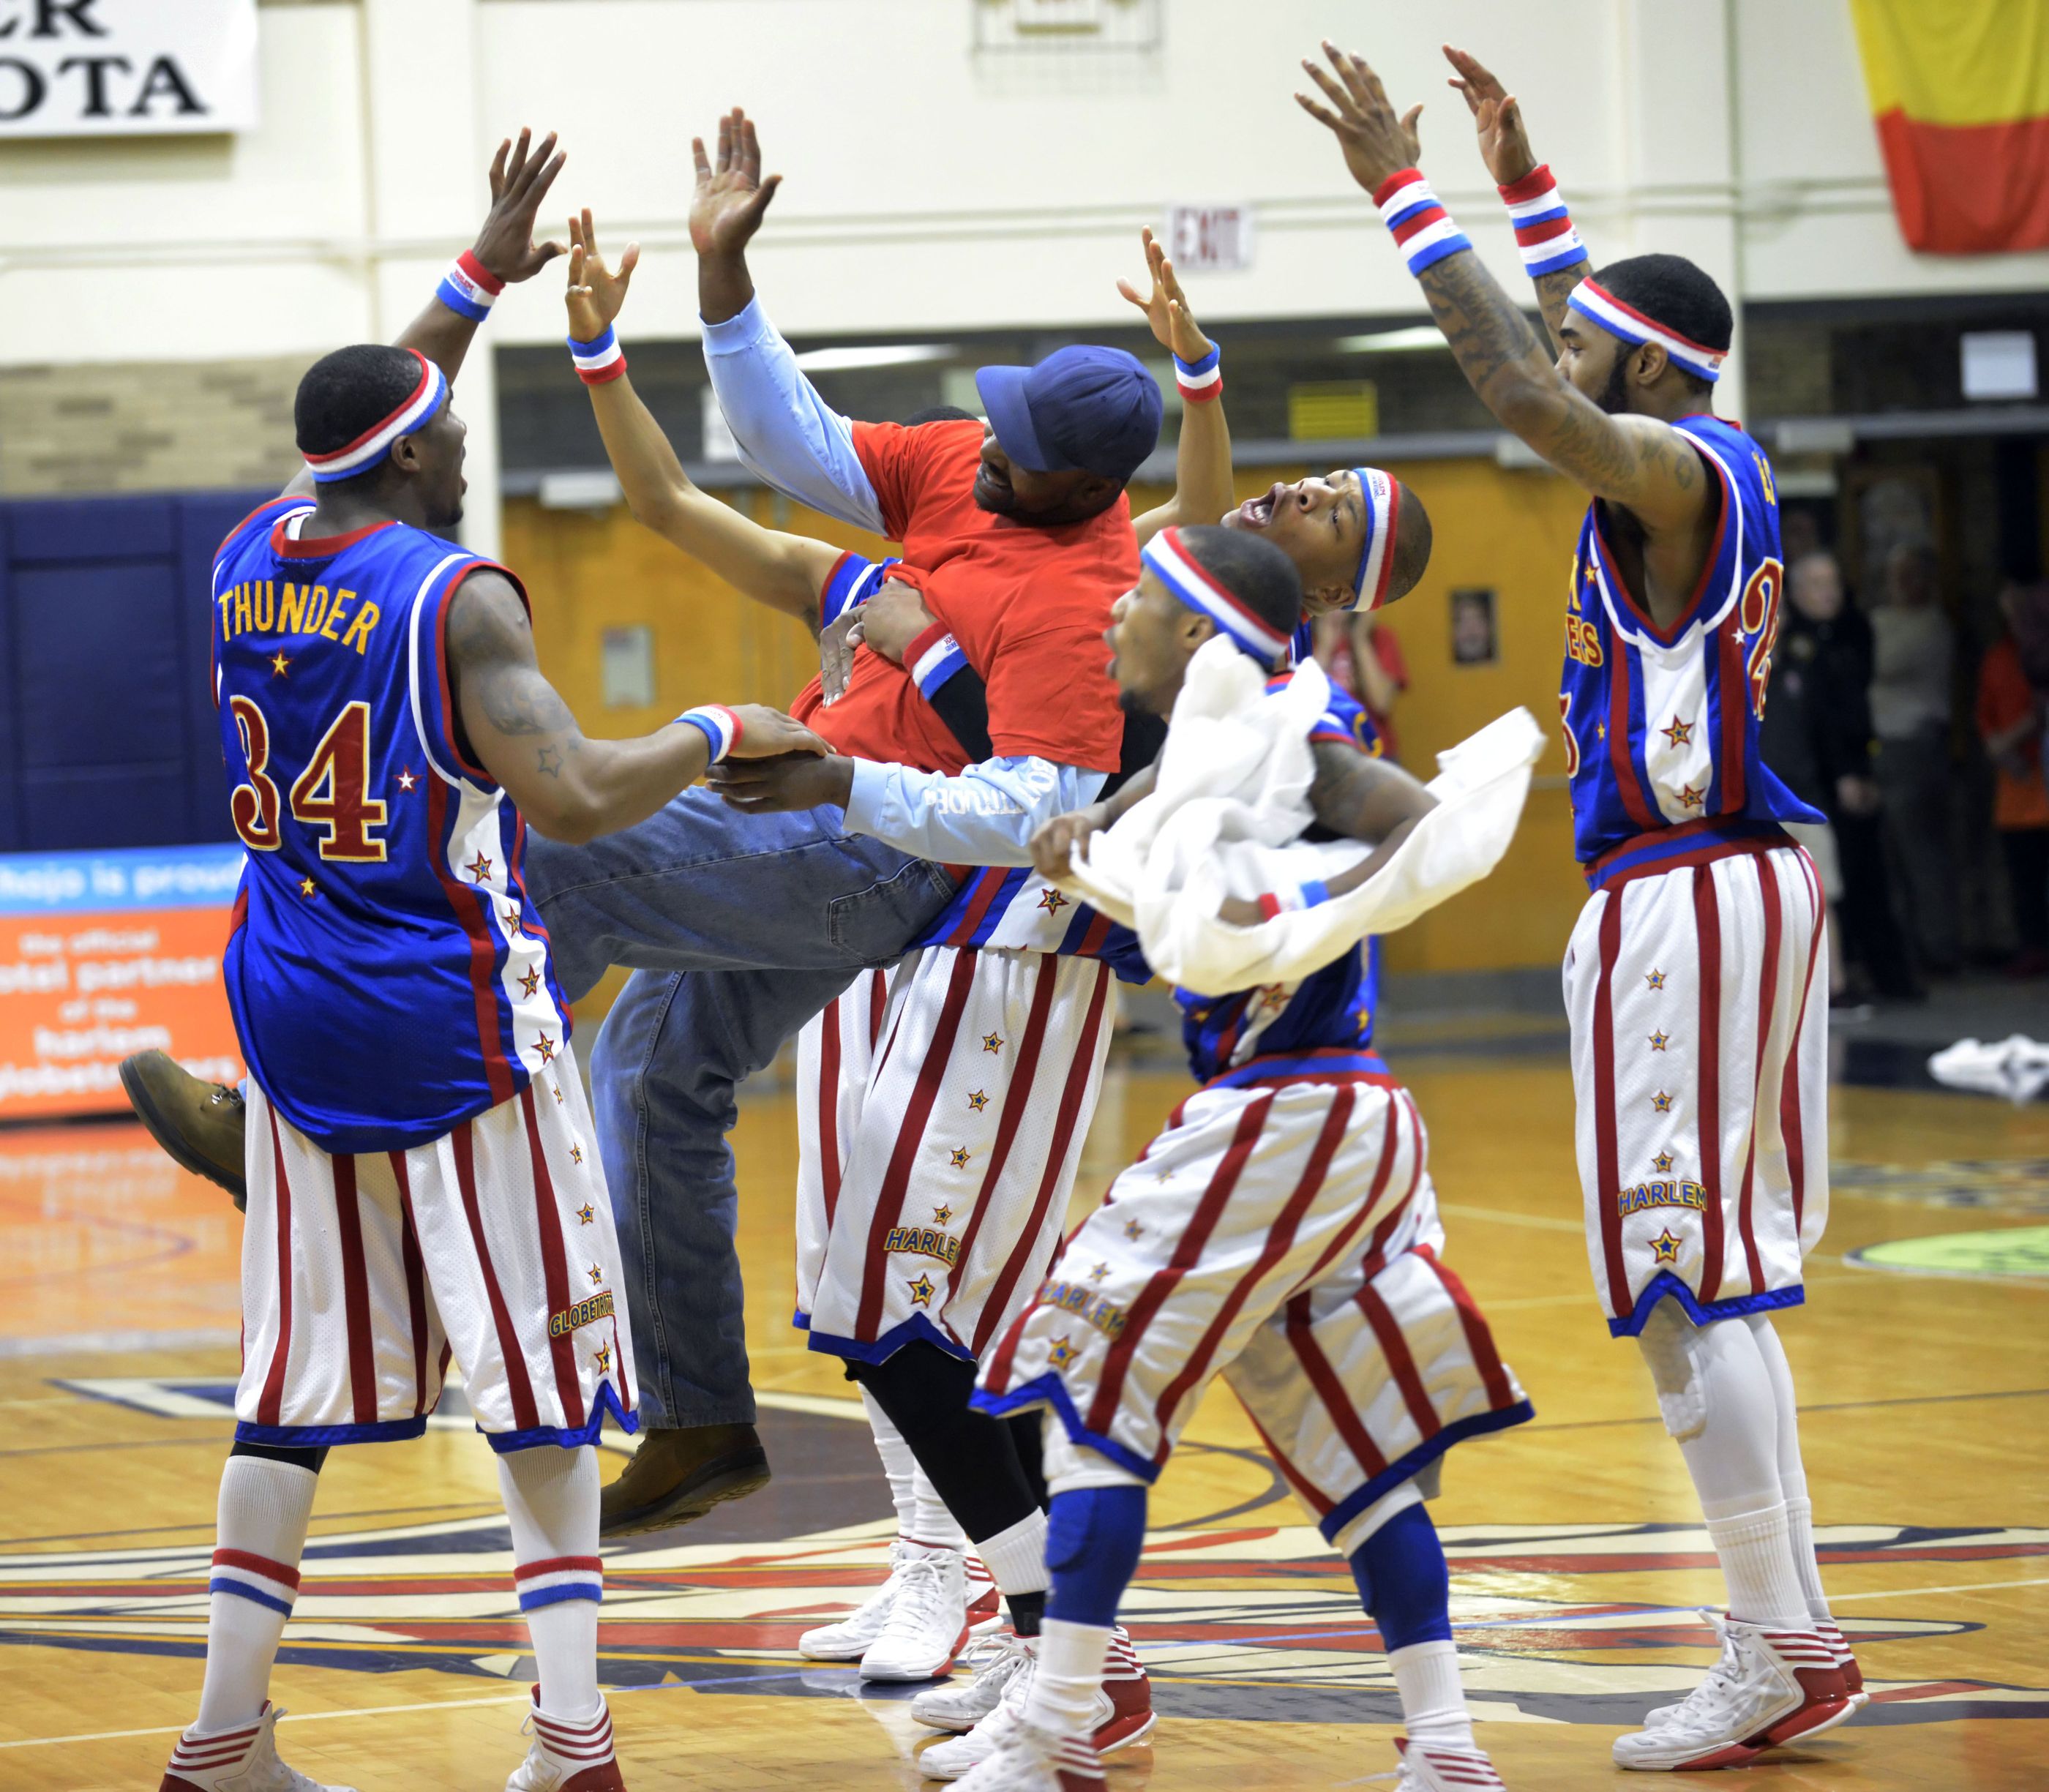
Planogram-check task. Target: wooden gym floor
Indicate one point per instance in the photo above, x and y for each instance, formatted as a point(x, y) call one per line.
point(1576, 1574)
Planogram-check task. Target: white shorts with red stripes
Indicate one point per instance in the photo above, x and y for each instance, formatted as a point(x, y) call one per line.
point(942, 1109)
point(362, 1275)
point(1283, 1235)
point(1700, 1061)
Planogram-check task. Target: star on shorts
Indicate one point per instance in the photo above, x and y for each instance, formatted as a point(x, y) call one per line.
point(1663, 1163)
point(530, 980)
point(1665, 1247)
point(597, 1276)
point(959, 1156)
point(1656, 979)
point(555, 1089)
point(978, 1100)
point(1679, 734)
point(602, 1362)
point(1691, 798)
point(1052, 901)
point(992, 1042)
point(479, 868)
point(941, 1214)
point(546, 1047)
point(1100, 1271)
point(306, 887)
point(1060, 1353)
point(1659, 1040)
point(1662, 1102)
point(586, 1213)
point(1133, 1228)
point(576, 1154)
point(922, 1291)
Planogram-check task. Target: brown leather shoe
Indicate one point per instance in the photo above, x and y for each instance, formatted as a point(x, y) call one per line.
point(678, 1475)
point(199, 1124)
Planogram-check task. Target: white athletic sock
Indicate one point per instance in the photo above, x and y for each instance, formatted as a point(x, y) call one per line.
point(1068, 1676)
point(898, 1464)
point(1017, 1558)
point(264, 1509)
point(551, 1498)
point(1792, 1472)
point(1756, 1555)
point(1800, 1533)
point(931, 1524)
point(1433, 1702)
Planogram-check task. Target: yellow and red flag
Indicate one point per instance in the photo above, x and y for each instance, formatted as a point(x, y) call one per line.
point(1960, 89)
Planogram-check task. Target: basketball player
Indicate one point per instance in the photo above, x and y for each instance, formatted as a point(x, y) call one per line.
point(1281, 1230)
point(1699, 1047)
point(421, 1173)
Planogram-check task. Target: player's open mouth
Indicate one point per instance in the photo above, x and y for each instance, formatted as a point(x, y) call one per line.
point(1256, 513)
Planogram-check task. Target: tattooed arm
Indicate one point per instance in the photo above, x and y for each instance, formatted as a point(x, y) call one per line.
point(515, 724)
point(1639, 462)
point(1504, 146)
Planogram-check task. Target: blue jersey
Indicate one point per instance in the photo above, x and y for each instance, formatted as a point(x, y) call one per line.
point(1330, 1009)
point(1661, 724)
point(388, 977)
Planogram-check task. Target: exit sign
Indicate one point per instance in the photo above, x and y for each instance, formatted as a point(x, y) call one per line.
point(1210, 238)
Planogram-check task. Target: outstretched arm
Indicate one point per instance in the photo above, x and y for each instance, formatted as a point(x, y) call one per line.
point(519, 729)
point(1645, 465)
point(1504, 146)
point(505, 249)
point(785, 572)
point(1202, 461)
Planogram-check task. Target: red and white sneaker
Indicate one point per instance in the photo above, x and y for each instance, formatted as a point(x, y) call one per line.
point(1429, 1766)
point(1027, 1759)
point(984, 1602)
point(847, 1639)
point(997, 1660)
point(1852, 1674)
point(927, 1625)
point(1124, 1714)
point(243, 1759)
point(567, 1757)
point(1770, 1686)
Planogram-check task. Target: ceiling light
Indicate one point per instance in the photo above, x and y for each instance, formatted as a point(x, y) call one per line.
point(1387, 342)
point(881, 355)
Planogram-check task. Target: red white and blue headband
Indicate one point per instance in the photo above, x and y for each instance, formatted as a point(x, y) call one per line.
point(375, 442)
point(1380, 498)
point(1176, 568)
point(1594, 302)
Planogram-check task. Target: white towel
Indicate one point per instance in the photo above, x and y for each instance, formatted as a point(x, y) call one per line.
point(1227, 815)
point(2016, 1067)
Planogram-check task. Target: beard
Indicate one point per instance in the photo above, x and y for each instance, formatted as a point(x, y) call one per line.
point(1614, 397)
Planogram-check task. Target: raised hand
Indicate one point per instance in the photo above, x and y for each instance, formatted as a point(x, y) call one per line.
point(731, 199)
point(1504, 145)
point(1166, 307)
point(519, 182)
point(595, 292)
point(767, 733)
point(1360, 116)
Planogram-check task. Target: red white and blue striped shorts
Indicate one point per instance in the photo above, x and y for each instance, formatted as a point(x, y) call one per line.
point(362, 1275)
point(942, 1109)
point(1284, 1236)
point(1699, 999)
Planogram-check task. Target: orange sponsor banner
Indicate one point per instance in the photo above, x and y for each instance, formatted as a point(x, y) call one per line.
point(105, 954)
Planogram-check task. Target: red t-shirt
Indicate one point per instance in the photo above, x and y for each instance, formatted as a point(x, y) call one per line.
point(1029, 607)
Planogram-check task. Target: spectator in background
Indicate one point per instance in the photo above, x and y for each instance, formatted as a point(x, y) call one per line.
point(1914, 652)
point(1360, 653)
point(2010, 719)
point(1818, 737)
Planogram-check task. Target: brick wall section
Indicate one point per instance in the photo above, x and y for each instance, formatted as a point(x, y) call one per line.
point(147, 426)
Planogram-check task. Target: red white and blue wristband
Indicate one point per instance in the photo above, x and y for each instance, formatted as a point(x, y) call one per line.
point(719, 725)
point(1200, 381)
point(598, 363)
point(1292, 902)
point(1422, 229)
point(469, 287)
point(1544, 230)
point(1176, 568)
point(370, 447)
point(854, 580)
point(932, 657)
point(1594, 302)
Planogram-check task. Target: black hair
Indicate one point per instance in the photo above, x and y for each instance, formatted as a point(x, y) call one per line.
point(1256, 572)
point(1671, 291)
point(1412, 537)
point(351, 390)
point(940, 414)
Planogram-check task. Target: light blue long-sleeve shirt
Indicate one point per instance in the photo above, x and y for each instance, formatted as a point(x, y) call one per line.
point(790, 437)
point(787, 433)
point(986, 815)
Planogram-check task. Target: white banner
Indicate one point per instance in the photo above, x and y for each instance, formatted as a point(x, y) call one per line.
point(126, 68)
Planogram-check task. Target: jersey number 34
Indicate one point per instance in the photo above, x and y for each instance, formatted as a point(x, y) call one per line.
point(331, 796)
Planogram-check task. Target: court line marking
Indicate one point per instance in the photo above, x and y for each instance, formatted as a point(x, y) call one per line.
point(1980, 1586)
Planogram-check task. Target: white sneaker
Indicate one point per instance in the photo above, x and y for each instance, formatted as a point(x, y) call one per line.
point(243, 1759)
point(1027, 1759)
point(1122, 1715)
point(848, 1638)
point(1769, 1686)
point(998, 1660)
point(927, 1621)
point(567, 1757)
point(1429, 1766)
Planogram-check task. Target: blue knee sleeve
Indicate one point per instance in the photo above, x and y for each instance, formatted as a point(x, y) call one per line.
point(1093, 1538)
point(1403, 1581)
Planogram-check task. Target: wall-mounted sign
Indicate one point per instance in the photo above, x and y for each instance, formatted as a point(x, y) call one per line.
point(126, 68)
point(1209, 238)
point(105, 954)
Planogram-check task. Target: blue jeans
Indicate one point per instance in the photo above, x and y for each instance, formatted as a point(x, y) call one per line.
point(738, 929)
